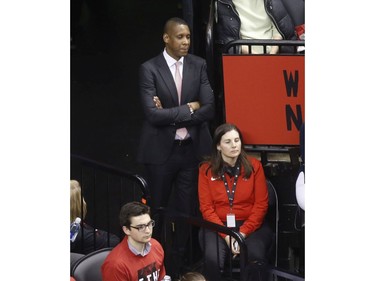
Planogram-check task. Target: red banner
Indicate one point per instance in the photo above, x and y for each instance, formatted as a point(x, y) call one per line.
point(265, 97)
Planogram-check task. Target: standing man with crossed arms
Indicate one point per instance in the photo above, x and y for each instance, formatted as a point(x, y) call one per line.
point(177, 106)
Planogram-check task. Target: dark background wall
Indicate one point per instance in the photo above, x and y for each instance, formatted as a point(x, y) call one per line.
point(109, 40)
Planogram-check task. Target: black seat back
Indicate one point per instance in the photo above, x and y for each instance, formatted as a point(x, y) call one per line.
point(88, 268)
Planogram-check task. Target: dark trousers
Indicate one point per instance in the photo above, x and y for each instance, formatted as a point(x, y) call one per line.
point(174, 185)
point(177, 177)
point(215, 249)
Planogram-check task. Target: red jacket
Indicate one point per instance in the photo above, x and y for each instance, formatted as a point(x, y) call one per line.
point(250, 199)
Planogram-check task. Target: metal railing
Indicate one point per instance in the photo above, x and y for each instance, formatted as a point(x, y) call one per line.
point(232, 46)
point(280, 274)
point(233, 269)
point(105, 189)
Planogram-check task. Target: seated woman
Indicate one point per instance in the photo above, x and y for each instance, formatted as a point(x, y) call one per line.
point(89, 242)
point(232, 192)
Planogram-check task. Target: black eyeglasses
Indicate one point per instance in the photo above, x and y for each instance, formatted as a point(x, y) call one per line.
point(142, 227)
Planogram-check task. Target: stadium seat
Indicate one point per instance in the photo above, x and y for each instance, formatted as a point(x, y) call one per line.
point(88, 268)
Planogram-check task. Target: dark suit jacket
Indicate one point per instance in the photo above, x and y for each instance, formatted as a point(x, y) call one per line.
point(160, 125)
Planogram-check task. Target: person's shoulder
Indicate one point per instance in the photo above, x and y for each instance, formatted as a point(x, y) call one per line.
point(195, 58)
point(205, 169)
point(155, 242)
point(153, 60)
point(121, 247)
point(203, 166)
point(115, 263)
point(117, 255)
point(156, 246)
point(254, 162)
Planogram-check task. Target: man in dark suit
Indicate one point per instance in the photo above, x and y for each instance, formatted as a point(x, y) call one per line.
point(175, 134)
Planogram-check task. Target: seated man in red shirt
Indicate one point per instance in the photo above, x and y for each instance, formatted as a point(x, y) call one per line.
point(138, 256)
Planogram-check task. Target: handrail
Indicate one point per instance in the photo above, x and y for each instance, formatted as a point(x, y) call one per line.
point(283, 273)
point(269, 148)
point(111, 169)
point(200, 222)
point(263, 42)
point(228, 231)
point(105, 189)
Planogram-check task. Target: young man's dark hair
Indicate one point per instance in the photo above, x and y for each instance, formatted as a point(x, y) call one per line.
point(132, 209)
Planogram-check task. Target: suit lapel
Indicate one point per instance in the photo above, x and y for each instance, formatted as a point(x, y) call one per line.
point(167, 77)
point(186, 76)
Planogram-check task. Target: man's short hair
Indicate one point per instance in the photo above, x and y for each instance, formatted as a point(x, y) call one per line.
point(132, 209)
point(174, 21)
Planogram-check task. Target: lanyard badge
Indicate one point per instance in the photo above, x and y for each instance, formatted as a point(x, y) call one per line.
point(231, 218)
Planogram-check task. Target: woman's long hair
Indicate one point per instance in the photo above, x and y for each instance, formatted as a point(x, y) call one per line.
point(78, 206)
point(216, 160)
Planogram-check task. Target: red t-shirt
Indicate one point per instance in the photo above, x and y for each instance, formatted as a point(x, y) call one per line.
point(123, 265)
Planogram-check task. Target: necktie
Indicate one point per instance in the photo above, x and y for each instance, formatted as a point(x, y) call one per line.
point(182, 132)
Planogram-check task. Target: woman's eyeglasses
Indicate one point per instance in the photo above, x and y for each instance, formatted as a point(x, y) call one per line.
point(142, 227)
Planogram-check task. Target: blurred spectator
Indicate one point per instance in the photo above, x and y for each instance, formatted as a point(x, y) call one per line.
point(300, 183)
point(192, 276)
point(256, 19)
point(93, 239)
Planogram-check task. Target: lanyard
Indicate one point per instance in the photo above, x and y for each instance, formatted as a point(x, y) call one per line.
point(231, 194)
